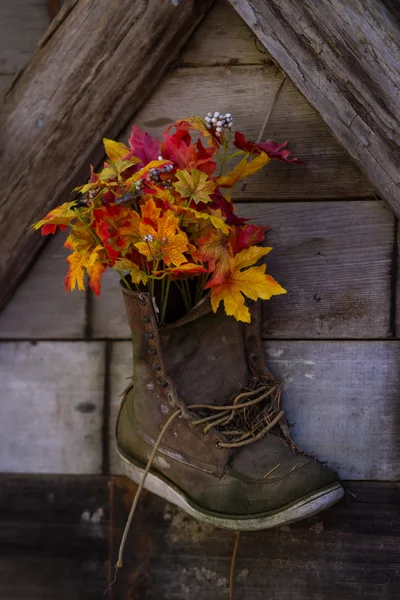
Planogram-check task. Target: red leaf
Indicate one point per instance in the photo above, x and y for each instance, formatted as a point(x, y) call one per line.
point(246, 236)
point(144, 146)
point(271, 148)
point(178, 151)
point(227, 209)
point(46, 229)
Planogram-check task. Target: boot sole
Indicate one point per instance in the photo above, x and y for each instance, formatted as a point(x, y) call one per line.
point(301, 509)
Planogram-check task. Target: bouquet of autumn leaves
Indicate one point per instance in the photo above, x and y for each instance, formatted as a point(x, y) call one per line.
point(161, 215)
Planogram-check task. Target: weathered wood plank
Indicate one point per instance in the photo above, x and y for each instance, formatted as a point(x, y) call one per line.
point(335, 261)
point(222, 39)
point(40, 307)
point(350, 551)
point(344, 57)
point(248, 92)
point(334, 258)
point(22, 25)
point(341, 397)
point(58, 110)
point(52, 407)
point(396, 284)
point(54, 537)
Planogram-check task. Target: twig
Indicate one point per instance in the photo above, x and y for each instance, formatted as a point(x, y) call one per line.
point(233, 561)
point(267, 118)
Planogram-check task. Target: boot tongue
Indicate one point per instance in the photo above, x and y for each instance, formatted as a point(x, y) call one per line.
point(204, 354)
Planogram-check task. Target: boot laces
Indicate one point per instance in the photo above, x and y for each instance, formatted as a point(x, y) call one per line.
point(247, 419)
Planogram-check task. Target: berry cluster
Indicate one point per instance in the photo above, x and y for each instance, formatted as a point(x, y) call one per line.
point(218, 122)
point(88, 197)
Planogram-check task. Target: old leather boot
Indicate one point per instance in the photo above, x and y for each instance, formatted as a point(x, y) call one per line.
point(230, 467)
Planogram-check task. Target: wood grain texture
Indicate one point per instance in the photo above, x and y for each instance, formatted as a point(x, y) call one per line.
point(41, 308)
point(343, 401)
point(396, 284)
point(350, 551)
point(248, 92)
point(54, 537)
point(222, 39)
point(344, 57)
point(52, 407)
point(334, 258)
point(58, 110)
point(341, 397)
point(22, 25)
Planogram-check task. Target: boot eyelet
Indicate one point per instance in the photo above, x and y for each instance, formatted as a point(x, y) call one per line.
point(162, 382)
point(156, 367)
point(151, 351)
point(217, 445)
point(148, 335)
point(146, 319)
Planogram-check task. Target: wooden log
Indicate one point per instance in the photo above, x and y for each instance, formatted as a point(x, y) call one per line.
point(334, 258)
point(332, 555)
point(52, 407)
point(96, 65)
point(54, 537)
point(340, 397)
point(344, 57)
point(248, 92)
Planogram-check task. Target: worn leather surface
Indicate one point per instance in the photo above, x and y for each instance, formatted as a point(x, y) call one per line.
point(206, 358)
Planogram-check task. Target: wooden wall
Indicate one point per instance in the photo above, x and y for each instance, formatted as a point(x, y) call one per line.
point(333, 339)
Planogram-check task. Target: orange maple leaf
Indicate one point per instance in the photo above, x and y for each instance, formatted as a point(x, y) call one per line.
point(166, 243)
point(242, 281)
point(186, 269)
point(214, 248)
point(78, 263)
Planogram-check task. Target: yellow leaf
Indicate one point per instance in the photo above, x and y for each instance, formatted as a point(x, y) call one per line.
point(251, 282)
point(194, 185)
point(215, 219)
point(62, 215)
point(243, 169)
point(115, 150)
point(249, 256)
point(76, 272)
point(137, 276)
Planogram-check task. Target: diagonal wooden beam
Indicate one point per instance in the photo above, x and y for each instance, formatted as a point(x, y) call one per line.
point(94, 68)
point(344, 56)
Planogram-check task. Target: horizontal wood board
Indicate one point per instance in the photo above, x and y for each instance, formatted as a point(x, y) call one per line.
point(52, 407)
point(222, 38)
point(340, 397)
point(40, 307)
point(248, 92)
point(22, 25)
point(334, 258)
point(54, 535)
point(350, 551)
